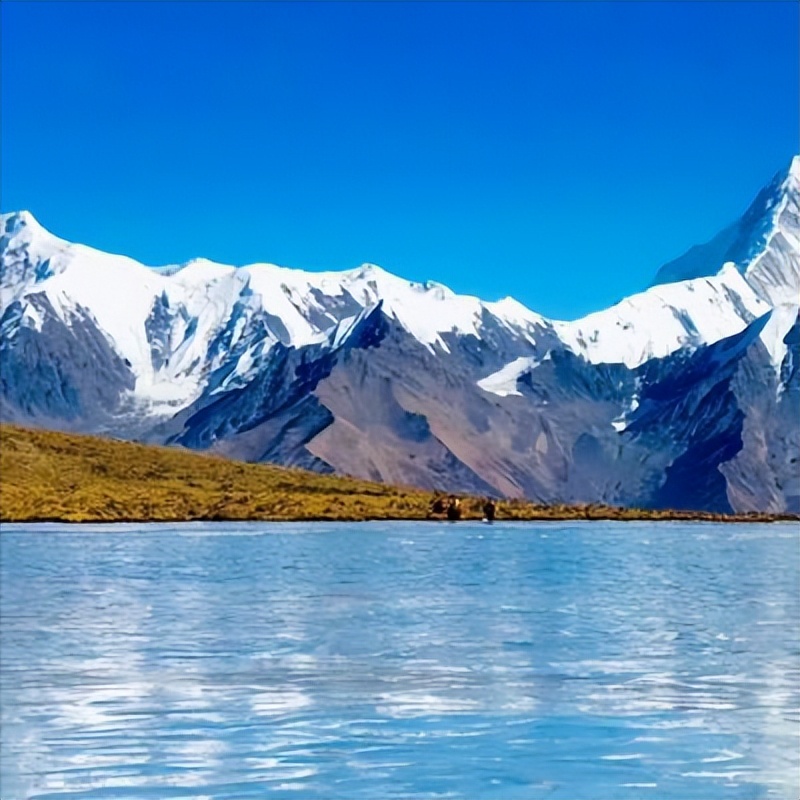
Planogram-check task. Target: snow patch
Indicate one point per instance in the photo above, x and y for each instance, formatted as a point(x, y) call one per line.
point(504, 382)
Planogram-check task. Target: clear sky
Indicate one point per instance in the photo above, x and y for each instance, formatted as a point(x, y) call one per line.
point(556, 152)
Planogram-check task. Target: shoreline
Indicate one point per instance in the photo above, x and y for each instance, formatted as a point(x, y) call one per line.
point(625, 516)
point(54, 477)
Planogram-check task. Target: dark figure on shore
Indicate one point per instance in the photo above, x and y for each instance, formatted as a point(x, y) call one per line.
point(454, 509)
point(489, 510)
point(437, 506)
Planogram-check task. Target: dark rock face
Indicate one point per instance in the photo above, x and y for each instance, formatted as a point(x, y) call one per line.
point(386, 408)
point(273, 416)
point(765, 472)
point(65, 375)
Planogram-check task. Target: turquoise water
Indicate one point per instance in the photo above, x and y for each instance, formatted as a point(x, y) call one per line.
point(400, 660)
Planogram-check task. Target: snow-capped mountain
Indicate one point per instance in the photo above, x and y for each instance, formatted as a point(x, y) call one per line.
point(363, 372)
point(763, 246)
point(174, 326)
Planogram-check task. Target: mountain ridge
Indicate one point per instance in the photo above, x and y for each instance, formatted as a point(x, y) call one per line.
point(365, 373)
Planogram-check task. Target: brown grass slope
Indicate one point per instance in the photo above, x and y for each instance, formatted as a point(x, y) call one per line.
point(45, 475)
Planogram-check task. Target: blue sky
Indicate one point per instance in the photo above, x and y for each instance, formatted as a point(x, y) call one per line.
point(556, 152)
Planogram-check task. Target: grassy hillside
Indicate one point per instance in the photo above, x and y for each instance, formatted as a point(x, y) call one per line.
point(46, 475)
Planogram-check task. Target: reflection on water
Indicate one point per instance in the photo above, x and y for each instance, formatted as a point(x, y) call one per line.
point(404, 660)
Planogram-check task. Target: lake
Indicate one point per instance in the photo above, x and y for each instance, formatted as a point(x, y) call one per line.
point(400, 660)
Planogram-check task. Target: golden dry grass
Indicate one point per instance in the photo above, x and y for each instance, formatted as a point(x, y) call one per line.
point(45, 475)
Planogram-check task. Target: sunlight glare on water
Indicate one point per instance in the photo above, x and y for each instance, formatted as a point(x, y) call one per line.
point(401, 660)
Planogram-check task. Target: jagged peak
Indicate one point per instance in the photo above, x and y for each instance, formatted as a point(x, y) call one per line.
point(368, 272)
point(427, 309)
point(368, 268)
point(791, 183)
point(201, 270)
point(794, 168)
point(743, 240)
point(14, 222)
point(511, 306)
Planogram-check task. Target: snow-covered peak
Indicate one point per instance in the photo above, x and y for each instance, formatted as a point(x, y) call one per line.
point(663, 319)
point(28, 254)
point(18, 221)
point(651, 324)
point(794, 170)
point(369, 272)
point(764, 245)
point(742, 241)
point(200, 271)
point(173, 324)
point(306, 303)
point(20, 229)
point(427, 310)
point(774, 273)
point(513, 312)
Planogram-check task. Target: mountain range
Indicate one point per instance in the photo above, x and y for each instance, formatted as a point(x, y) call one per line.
point(685, 395)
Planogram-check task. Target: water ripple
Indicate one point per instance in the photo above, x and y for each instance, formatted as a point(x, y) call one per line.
point(398, 661)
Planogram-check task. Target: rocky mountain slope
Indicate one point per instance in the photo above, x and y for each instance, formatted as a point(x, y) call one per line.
point(685, 395)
